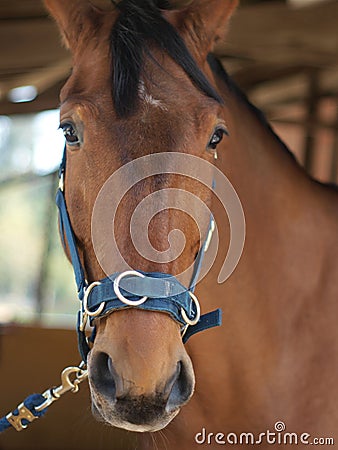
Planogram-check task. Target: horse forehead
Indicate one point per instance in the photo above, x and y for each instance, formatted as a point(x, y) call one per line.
point(164, 110)
point(148, 99)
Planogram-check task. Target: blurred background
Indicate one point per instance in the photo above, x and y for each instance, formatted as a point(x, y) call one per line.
point(283, 54)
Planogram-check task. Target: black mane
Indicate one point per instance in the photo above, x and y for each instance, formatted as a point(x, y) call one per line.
point(139, 23)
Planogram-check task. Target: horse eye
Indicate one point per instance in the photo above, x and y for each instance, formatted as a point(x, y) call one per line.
point(217, 137)
point(70, 134)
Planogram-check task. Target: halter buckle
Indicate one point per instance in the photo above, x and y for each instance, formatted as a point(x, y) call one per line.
point(85, 311)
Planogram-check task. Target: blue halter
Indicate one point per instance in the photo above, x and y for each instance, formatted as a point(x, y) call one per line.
point(153, 291)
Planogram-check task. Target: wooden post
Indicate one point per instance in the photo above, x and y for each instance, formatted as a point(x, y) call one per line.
point(312, 116)
point(42, 281)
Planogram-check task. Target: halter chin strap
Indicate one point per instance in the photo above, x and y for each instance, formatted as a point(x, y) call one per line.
point(150, 291)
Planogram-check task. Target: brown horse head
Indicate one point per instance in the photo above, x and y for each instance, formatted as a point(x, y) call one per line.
point(140, 85)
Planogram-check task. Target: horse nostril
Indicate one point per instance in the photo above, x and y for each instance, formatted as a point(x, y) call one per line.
point(182, 387)
point(102, 375)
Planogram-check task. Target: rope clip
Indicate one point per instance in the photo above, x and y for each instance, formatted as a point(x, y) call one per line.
point(67, 384)
point(71, 377)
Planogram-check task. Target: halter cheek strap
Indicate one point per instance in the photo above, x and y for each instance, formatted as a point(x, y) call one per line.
point(150, 291)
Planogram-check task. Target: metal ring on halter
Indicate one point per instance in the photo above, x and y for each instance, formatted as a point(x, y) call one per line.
point(198, 311)
point(184, 330)
point(99, 310)
point(118, 292)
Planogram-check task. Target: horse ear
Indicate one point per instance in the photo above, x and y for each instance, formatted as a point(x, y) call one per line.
point(207, 20)
point(72, 17)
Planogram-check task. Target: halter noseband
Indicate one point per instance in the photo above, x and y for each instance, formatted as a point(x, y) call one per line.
point(150, 291)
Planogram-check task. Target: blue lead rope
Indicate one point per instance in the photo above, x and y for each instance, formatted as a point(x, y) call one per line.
point(26, 409)
point(36, 405)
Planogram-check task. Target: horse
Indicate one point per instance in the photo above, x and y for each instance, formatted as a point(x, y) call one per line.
point(144, 83)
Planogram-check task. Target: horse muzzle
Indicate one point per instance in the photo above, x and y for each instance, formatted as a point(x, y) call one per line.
point(134, 399)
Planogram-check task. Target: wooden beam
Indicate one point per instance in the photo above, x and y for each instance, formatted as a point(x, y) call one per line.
point(304, 123)
point(293, 89)
point(47, 100)
point(252, 75)
point(274, 32)
point(312, 104)
point(29, 45)
point(42, 79)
